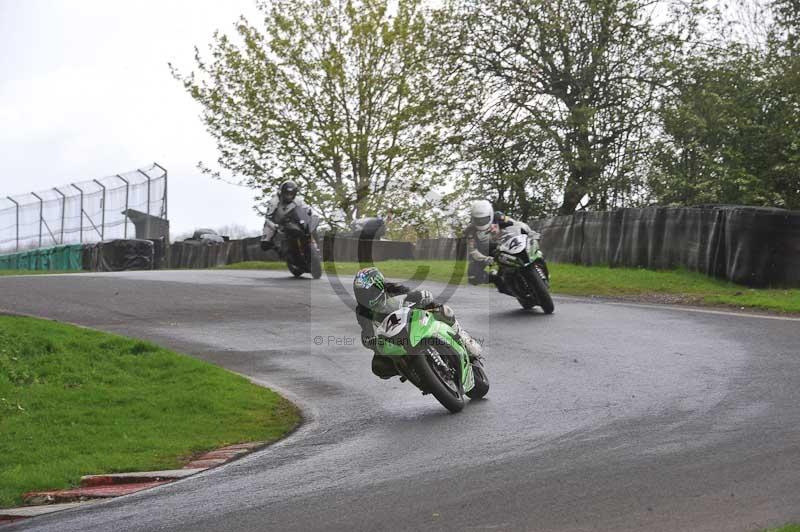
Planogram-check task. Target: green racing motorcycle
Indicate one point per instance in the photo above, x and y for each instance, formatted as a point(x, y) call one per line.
point(430, 354)
point(524, 270)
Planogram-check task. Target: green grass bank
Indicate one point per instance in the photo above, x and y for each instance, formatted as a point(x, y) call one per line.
point(75, 401)
point(671, 286)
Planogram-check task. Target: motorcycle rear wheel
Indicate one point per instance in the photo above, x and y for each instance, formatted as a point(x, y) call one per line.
point(430, 374)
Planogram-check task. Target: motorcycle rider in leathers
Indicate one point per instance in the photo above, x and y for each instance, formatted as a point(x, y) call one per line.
point(377, 298)
point(279, 207)
point(482, 234)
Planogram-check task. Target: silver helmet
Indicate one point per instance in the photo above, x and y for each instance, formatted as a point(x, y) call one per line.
point(481, 214)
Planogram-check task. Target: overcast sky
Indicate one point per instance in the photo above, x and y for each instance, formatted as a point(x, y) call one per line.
point(85, 92)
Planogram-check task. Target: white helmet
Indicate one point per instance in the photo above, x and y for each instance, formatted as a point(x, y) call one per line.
point(481, 214)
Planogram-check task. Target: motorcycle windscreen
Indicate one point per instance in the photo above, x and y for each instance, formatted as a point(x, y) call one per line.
point(393, 333)
point(313, 223)
point(514, 244)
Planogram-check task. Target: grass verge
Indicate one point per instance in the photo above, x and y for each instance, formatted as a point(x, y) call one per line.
point(673, 286)
point(787, 528)
point(75, 401)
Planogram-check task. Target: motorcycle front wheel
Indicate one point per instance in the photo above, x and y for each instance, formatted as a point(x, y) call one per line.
point(293, 263)
point(316, 262)
point(296, 270)
point(437, 375)
point(537, 283)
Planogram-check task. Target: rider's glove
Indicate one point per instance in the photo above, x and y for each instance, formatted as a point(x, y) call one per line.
point(427, 300)
point(421, 298)
point(489, 261)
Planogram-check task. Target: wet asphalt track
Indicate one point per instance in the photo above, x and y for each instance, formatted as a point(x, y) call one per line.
point(601, 417)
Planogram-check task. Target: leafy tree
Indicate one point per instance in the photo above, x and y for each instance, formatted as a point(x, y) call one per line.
point(787, 18)
point(784, 58)
point(580, 79)
point(338, 95)
point(507, 162)
point(713, 121)
point(732, 125)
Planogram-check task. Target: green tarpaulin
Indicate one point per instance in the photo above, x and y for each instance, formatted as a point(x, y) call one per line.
point(58, 258)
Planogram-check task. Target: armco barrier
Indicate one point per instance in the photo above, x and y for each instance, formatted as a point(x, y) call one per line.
point(365, 251)
point(251, 250)
point(198, 254)
point(116, 255)
point(747, 245)
point(440, 249)
point(195, 255)
point(753, 246)
point(191, 254)
point(110, 255)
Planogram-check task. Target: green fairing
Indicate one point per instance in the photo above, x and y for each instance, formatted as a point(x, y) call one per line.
point(420, 331)
point(390, 349)
point(424, 325)
point(432, 329)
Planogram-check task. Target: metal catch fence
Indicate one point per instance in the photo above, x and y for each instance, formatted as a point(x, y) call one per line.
point(82, 212)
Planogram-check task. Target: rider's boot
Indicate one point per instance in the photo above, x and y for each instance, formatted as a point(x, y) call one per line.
point(499, 282)
point(473, 346)
point(383, 367)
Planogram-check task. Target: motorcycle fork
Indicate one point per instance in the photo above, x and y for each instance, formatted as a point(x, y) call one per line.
point(541, 269)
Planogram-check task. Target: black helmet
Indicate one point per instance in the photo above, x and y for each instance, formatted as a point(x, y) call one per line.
point(288, 192)
point(369, 288)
